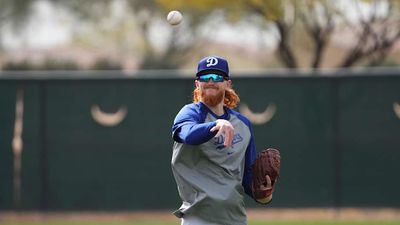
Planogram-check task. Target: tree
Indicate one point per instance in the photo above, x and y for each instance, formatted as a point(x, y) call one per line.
point(375, 32)
point(14, 13)
point(177, 42)
point(146, 15)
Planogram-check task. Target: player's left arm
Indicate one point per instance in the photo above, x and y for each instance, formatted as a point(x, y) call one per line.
point(250, 157)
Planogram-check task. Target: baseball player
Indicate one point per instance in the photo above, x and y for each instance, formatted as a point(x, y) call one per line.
point(213, 151)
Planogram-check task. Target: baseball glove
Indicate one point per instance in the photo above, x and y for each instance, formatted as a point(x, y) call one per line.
point(268, 162)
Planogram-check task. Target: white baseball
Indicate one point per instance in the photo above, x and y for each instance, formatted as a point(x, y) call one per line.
point(174, 17)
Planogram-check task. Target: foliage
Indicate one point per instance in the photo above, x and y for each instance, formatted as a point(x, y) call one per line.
point(14, 13)
point(106, 64)
point(48, 64)
point(375, 33)
point(51, 64)
point(134, 31)
point(372, 27)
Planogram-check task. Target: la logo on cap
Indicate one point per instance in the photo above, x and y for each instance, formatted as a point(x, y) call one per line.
point(211, 61)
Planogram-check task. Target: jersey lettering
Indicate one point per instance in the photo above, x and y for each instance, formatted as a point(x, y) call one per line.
point(219, 141)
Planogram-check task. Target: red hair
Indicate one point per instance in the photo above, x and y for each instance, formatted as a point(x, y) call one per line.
point(231, 99)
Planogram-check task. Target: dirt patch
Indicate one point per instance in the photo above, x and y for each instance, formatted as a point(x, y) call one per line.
point(86, 216)
point(325, 214)
point(268, 214)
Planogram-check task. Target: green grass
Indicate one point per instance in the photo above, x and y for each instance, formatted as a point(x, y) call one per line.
point(327, 223)
point(178, 222)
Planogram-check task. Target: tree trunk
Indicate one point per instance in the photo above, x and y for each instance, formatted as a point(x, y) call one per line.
point(285, 53)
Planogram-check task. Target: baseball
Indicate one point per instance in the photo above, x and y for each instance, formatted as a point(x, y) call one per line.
point(174, 17)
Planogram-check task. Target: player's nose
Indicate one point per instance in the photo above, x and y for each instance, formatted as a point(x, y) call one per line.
point(210, 81)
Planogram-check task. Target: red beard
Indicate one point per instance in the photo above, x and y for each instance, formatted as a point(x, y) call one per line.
point(212, 100)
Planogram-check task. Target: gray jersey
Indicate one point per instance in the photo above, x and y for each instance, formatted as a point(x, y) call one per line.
point(210, 177)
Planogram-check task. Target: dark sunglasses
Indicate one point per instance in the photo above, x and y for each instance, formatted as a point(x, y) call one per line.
point(215, 78)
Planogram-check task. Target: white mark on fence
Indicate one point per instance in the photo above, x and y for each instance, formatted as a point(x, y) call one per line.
point(396, 109)
point(258, 118)
point(108, 119)
point(17, 146)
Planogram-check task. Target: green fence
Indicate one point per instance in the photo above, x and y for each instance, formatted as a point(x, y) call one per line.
point(339, 137)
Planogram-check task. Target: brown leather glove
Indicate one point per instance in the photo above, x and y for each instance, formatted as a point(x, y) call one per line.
point(266, 170)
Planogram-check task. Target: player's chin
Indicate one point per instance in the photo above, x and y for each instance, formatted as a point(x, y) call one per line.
point(211, 93)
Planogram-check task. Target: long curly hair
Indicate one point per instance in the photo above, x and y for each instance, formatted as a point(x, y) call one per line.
point(231, 99)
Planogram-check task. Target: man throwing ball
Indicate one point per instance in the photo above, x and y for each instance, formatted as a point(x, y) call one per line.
point(214, 159)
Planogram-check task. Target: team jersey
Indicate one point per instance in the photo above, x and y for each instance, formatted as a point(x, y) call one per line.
point(212, 178)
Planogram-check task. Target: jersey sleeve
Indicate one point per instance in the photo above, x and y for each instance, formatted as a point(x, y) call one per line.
point(189, 126)
point(250, 157)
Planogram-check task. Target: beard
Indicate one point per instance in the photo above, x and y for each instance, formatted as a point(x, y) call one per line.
point(212, 99)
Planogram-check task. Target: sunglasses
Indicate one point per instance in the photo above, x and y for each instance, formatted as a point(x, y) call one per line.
point(215, 78)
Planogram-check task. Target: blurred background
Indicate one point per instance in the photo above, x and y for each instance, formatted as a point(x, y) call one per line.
point(131, 35)
point(89, 91)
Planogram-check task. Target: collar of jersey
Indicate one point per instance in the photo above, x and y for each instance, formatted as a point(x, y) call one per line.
point(225, 116)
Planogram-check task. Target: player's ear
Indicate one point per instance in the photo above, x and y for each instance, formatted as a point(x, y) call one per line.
point(196, 82)
point(229, 83)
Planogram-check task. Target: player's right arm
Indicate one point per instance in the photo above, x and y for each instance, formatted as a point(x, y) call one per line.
point(189, 126)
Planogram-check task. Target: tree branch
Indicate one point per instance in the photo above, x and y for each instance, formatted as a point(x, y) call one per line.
point(285, 52)
point(320, 34)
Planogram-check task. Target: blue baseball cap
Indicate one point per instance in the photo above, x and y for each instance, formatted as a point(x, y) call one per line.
point(213, 64)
